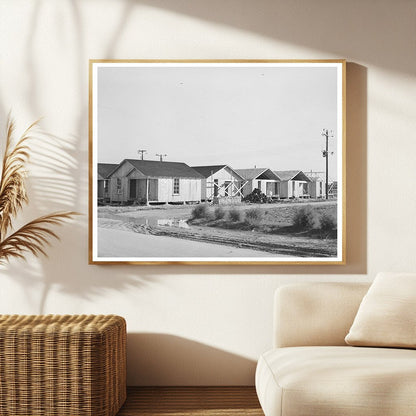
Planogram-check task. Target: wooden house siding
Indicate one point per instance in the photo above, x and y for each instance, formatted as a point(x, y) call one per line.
point(189, 190)
point(120, 194)
point(141, 190)
point(317, 189)
point(161, 189)
point(104, 171)
point(204, 189)
point(103, 192)
point(294, 189)
point(284, 189)
point(269, 188)
point(248, 188)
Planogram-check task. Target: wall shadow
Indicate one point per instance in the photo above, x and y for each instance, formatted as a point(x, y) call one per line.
point(58, 181)
point(53, 186)
point(169, 360)
point(338, 28)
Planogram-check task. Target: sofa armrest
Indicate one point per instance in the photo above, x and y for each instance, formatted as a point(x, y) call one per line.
point(315, 313)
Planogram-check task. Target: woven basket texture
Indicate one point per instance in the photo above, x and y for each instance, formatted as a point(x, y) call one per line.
point(62, 365)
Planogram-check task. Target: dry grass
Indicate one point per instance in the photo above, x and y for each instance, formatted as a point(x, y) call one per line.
point(273, 218)
point(33, 236)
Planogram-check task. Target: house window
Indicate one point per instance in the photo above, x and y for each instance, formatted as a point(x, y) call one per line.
point(119, 185)
point(106, 186)
point(176, 186)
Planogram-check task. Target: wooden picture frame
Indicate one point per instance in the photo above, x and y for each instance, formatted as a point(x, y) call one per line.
point(217, 162)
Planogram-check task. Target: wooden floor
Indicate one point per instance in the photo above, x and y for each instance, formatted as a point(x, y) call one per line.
point(195, 401)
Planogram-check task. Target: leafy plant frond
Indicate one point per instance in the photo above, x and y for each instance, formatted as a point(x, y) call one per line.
point(12, 183)
point(33, 237)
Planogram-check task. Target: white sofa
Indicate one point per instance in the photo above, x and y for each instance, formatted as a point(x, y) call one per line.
point(311, 371)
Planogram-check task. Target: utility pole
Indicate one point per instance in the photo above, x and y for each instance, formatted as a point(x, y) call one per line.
point(325, 153)
point(160, 156)
point(141, 152)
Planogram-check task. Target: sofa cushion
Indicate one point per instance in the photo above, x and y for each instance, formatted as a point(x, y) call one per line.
point(342, 381)
point(387, 314)
point(315, 314)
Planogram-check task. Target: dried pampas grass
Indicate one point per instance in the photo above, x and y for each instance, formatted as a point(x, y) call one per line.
point(34, 236)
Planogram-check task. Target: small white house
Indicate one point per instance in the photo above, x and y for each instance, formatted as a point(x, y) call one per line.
point(294, 184)
point(150, 181)
point(316, 185)
point(261, 178)
point(221, 183)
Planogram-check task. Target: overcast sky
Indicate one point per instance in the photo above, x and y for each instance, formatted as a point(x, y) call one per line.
point(242, 117)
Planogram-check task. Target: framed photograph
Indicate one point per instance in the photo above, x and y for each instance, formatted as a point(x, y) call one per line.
point(217, 162)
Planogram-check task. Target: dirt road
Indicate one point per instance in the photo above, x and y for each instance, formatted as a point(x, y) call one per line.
point(122, 243)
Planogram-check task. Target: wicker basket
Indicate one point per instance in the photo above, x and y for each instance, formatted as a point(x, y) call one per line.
point(54, 365)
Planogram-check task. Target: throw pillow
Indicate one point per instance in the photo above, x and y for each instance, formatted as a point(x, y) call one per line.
point(387, 314)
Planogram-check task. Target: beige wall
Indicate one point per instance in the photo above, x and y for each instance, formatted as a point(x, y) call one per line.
point(204, 325)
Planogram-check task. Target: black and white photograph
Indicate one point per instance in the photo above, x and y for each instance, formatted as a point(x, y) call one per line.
point(217, 162)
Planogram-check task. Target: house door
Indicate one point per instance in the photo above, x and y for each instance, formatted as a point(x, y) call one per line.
point(277, 189)
point(270, 189)
point(133, 188)
point(153, 190)
point(305, 189)
point(100, 190)
point(106, 185)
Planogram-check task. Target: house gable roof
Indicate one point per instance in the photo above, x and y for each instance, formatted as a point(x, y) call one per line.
point(315, 177)
point(105, 169)
point(258, 173)
point(292, 175)
point(207, 171)
point(157, 169)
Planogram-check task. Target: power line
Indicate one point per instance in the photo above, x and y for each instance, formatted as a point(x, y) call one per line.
point(141, 152)
point(161, 156)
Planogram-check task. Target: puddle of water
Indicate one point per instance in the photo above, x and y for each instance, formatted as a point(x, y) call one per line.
point(169, 222)
point(134, 220)
point(172, 222)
